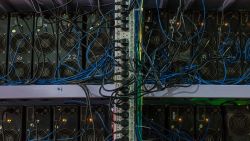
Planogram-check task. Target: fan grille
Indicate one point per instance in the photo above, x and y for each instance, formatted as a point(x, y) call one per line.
point(239, 124)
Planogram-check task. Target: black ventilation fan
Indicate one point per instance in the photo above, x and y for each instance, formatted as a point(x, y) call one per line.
point(38, 135)
point(11, 135)
point(68, 41)
point(19, 71)
point(2, 43)
point(46, 70)
point(239, 124)
point(20, 43)
point(46, 42)
point(69, 68)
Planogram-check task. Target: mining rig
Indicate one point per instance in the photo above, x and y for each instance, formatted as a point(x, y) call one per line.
point(124, 70)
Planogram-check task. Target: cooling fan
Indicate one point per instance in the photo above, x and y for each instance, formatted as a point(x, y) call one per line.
point(46, 70)
point(20, 43)
point(19, 71)
point(239, 124)
point(68, 41)
point(46, 42)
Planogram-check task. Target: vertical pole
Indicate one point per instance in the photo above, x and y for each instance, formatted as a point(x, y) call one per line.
point(123, 112)
point(128, 46)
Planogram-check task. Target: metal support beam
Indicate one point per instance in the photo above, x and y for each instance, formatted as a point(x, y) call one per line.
point(75, 91)
point(124, 51)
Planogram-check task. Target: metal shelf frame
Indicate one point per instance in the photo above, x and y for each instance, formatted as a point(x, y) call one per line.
point(75, 91)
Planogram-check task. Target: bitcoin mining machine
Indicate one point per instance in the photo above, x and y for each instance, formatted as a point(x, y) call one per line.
point(55, 45)
point(196, 66)
point(124, 70)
